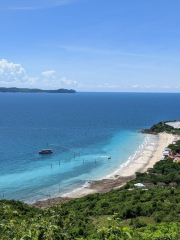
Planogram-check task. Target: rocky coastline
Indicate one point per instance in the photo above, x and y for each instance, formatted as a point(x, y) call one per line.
point(148, 131)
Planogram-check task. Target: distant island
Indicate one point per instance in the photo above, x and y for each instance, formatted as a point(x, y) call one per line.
point(34, 90)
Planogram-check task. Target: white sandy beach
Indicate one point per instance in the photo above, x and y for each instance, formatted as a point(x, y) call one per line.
point(146, 159)
point(150, 155)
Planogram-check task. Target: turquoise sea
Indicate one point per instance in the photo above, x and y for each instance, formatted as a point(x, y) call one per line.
point(82, 129)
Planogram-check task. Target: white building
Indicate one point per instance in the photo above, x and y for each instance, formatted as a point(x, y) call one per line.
point(175, 125)
point(166, 153)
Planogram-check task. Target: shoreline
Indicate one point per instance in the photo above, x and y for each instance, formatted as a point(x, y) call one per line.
point(146, 159)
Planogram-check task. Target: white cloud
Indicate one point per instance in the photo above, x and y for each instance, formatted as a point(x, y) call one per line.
point(14, 73)
point(97, 86)
point(49, 76)
point(66, 81)
point(107, 85)
point(51, 80)
point(49, 73)
point(151, 86)
point(134, 86)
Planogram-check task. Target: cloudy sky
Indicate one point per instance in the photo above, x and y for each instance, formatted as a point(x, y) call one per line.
point(91, 45)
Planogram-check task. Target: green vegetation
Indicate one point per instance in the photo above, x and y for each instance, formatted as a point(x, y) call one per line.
point(36, 90)
point(126, 213)
point(175, 147)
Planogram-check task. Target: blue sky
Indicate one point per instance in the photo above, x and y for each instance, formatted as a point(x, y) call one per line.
point(91, 45)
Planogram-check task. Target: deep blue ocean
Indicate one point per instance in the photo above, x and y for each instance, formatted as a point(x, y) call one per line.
point(82, 129)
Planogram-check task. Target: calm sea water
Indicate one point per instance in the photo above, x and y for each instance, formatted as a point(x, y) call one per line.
point(96, 125)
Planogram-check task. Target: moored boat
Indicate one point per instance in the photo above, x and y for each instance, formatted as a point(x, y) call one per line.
point(45, 151)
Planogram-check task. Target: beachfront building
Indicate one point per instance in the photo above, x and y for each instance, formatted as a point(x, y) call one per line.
point(175, 125)
point(166, 153)
point(139, 185)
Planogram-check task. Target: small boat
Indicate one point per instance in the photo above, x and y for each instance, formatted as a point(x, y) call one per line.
point(109, 157)
point(45, 151)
